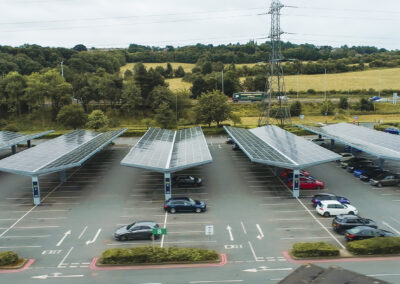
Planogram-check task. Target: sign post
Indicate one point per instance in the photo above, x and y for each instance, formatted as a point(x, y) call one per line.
point(209, 231)
point(158, 232)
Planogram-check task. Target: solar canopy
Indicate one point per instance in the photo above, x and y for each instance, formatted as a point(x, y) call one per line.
point(377, 143)
point(61, 153)
point(274, 146)
point(168, 151)
point(8, 138)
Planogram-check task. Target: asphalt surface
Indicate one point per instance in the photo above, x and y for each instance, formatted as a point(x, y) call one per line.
point(255, 219)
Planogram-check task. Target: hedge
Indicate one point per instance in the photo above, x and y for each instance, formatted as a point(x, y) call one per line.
point(387, 245)
point(315, 249)
point(148, 254)
point(8, 258)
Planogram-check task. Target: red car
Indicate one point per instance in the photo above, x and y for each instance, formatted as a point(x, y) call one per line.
point(289, 173)
point(309, 183)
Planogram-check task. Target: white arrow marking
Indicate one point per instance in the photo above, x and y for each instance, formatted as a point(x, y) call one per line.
point(265, 268)
point(94, 239)
point(230, 232)
point(63, 238)
point(261, 235)
point(56, 275)
point(251, 270)
point(387, 225)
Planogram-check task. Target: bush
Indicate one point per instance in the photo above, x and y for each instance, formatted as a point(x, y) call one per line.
point(72, 116)
point(11, 127)
point(149, 254)
point(8, 258)
point(314, 249)
point(388, 245)
point(97, 119)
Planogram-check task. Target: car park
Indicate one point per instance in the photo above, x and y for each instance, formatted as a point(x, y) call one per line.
point(358, 171)
point(344, 222)
point(345, 163)
point(385, 179)
point(364, 232)
point(333, 207)
point(373, 174)
point(136, 231)
point(317, 198)
point(289, 173)
point(353, 165)
point(309, 183)
point(184, 204)
point(186, 181)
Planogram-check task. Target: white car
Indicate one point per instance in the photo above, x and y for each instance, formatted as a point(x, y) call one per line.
point(328, 208)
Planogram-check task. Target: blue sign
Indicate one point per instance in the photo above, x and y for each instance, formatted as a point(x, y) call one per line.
point(35, 187)
point(296, 181)
point(167, 186)
point(355, 117)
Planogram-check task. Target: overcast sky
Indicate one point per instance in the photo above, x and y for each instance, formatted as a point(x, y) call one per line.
point(117, 23)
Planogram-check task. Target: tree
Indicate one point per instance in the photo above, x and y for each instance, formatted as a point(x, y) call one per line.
point(343, 103)
point(165, 116)
point(169, 72)
point(366, 105)
point(132, 100)
point(14, 88)
point(206, 68)
point(295, 108)
point(327, 108)
point(72, 116)
point(235, 118)
point(97, 119)
point(198, 87)
point(179, 73)
point(79, 47)
point(213, 107)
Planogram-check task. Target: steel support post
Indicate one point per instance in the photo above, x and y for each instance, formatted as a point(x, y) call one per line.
point(381, 163)
point(63, 176)
point(167, 185)
point(332, 143)
point(13, 149)
point(36, 190)
point(276, 171)
point(28, 143)
point(319, 136)
point(296, 183)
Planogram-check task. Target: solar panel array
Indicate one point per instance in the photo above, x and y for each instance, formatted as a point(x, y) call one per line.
point(165, 150)
point(60, 153)
point(8, 138)
point(275, 146)
point(377, 143)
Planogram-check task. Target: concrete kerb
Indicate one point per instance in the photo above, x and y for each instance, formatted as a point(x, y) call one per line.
point(26, 265)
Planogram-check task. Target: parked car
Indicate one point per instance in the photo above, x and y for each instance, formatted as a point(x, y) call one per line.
point(235, 147)
point(229, 140)
point(372, 174)
point(364, 232)
point(309, 183)
point(186, 181)
point(136, 231)
point(392, 130)
point(350, 149)
point(317, 198)
point(184, 204)
point(352, 165)
point(301, 176)
point(320, 141)
point(385, 179)
point(344, 222)
point(358, 171)
point(289, 173)
point(333, 207)
point(345, 163)
point(375, 98)
point(345, 157)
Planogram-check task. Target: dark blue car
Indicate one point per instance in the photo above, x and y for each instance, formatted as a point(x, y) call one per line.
point(349, 149)
point(392, 130)
point(357, 172)
point(328, 196)
point(184, 204)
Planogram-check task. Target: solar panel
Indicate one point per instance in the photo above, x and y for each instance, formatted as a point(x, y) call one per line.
point(377, 143)
point(165, 150)
point(8, 138)
point(275, 146)
point(60, 153)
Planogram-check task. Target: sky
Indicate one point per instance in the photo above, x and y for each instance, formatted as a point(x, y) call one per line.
point(117, 23)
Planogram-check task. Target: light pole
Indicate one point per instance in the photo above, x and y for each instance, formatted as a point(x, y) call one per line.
point(325, 84)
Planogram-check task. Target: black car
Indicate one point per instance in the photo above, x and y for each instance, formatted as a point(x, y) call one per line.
point(364, 232)
point(136, 231)
point(317, 198)
point(344, 222)
point(184, 204)
point(345, 164)
point(356, 165)
point(186, 181)
point(229, 140)
point(367, 175)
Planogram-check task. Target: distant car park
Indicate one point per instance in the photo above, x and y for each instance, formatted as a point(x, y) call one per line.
point(367, 175)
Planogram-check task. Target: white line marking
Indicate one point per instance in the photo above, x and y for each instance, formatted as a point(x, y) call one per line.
point(36, 227)
point(83, 231)
point(380, 275)
point(261, 235)
point(229, 228)
point(66, 234)
point(17, 237)
point(253, 252)
point(65, 257)
point(216, 281)
point(20, 247)
point(244, 229)
point(50, 218)
point(387, 225)
point(165, 225)
point(94, 238)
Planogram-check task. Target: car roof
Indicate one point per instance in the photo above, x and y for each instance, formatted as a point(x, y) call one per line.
point(178, 198)
point(330, 202)
point(145, 223)
point(324, 194)
point(348, 216)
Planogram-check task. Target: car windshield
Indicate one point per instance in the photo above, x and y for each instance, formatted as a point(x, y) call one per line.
point(130, 226)
point(191, 201)
point(354, 230)
point(191, 178)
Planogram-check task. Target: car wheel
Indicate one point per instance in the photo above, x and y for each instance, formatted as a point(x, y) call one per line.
point(351, 213)
point(198, 210)
point(379, 185)
point(122, 238)
point(326, 214)
point(172, 210)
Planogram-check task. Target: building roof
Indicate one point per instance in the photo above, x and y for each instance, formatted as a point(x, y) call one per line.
point(9, 138)
point(274, 146)
point(377, 143)
point(58, 154)
point(164, 150)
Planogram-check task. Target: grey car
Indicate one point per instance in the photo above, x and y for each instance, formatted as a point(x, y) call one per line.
point(136, 231)
point(385, 179)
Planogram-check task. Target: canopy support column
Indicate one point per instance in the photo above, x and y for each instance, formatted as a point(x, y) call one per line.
point(275, 171)
point(28, 143)
point(332, 143)
point(36, 190)
point(319, 136)
point(381, 163)
point(63, 176)
point(167, 185)
point(13, 149)
point(296, 183)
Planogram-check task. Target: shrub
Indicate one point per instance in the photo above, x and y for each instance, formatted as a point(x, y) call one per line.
point(314, 249)
point(11, 127)
point(388, 245)
point(97, 119)
point(8, 258)
point(149, 254)
point(72, 116)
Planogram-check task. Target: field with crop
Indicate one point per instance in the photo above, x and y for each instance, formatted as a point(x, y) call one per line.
point(186, 66)
point(176, 84)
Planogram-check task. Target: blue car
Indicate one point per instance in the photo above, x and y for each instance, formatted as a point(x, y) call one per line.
point(357, 172)
point(328, 196)
point(349, 149)
point(392, 130)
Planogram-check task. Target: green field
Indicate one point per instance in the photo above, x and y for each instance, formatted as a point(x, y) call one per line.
point(186, 66)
